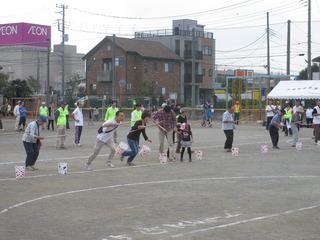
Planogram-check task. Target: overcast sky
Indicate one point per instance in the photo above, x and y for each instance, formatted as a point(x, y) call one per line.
point(238, 25)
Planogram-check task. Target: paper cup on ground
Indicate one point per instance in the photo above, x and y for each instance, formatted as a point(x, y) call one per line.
point(299, 146)
point(264, 148)
point(235, 151)
point(199, 154)
point(163, 158)
point(63, 168)
point(145, 150)
point(121, 148)
point(20, 171)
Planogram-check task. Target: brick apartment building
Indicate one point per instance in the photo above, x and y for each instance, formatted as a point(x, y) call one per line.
point(142, 69)
point(189, 40)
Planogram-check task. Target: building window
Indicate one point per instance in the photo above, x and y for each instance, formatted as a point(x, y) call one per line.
point(155, 67)
point(210, 72)
point(203, 71)
point(207, 51)
point(168, 67)
point(119, 61)
point(107, 64)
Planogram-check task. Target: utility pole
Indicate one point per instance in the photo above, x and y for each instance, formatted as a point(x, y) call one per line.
point(114, 67)
point(268, 55)
point(309, 41)
point(62, 29)
point(38, 67)
point(193, 67)
point(48, 73)
point(288, 47)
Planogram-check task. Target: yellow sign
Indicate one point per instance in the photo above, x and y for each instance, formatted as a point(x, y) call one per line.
point(220, 91)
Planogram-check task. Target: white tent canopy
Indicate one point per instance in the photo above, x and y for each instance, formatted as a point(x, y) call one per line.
point(301, 89)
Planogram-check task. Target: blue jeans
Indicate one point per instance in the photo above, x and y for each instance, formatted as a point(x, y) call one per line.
point(134, 148)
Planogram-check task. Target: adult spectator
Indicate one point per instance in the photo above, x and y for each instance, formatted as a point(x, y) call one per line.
point(16, 113)
point(31, 141)
point(78, 123)
point(274, 127)
point(61, 116)
point(23, 116)
point(270, 110)
point(43, 112)
point(228, 125)
point(166, 123)
point(316, 122)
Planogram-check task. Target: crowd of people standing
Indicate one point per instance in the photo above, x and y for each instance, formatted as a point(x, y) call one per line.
point(171, 121)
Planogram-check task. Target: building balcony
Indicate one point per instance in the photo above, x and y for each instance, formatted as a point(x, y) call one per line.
point(172, 32)
point(188, 54)
point(104, 76)
point(188, 78)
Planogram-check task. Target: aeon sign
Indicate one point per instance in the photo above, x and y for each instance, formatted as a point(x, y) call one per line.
point(25, 34)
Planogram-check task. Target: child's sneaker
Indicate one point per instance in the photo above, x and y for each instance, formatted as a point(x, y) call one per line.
point(109, 164)
point(87, 167)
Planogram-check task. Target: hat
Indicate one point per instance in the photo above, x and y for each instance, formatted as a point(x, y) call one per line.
point(163, 105)
point(19, 101)
point(43, 103)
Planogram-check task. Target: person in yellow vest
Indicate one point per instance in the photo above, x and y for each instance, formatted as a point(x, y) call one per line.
point(61, 116)
point(237, 110)
point(288, 117)
point(43, 113)
point(111, 115)
point(136, 114)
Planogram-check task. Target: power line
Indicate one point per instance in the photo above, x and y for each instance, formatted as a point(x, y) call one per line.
point(248, 45)
point(172, 16)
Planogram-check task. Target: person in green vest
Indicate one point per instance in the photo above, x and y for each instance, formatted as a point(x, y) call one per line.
point(67, 116)
point(287, 117)
point(136, 114)
point(111, 115)
point(43, 113)
point(61, 116)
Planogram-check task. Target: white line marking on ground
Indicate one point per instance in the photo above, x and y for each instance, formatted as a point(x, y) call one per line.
point(103, 155)
point(83, 172)
point(245, 221)
point(149, 183)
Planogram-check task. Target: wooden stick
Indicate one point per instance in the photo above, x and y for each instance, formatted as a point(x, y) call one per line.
point(55, 136)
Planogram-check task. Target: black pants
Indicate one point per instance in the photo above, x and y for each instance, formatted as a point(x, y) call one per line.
point(237, 117)
point(51, 122)
point(182, 153)
point(78, 131)
point(229, 140)
point(1, 127)
point(32, 153)
point(268, 122)
point(67, 118)
point(22, 121)
point(309, 122)
point(274, 134)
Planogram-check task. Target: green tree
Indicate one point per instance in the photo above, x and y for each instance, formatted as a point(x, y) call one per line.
point(73, 88)
point(304, 73)
point(20, 88)
point(33, 84)
point(4, 83)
